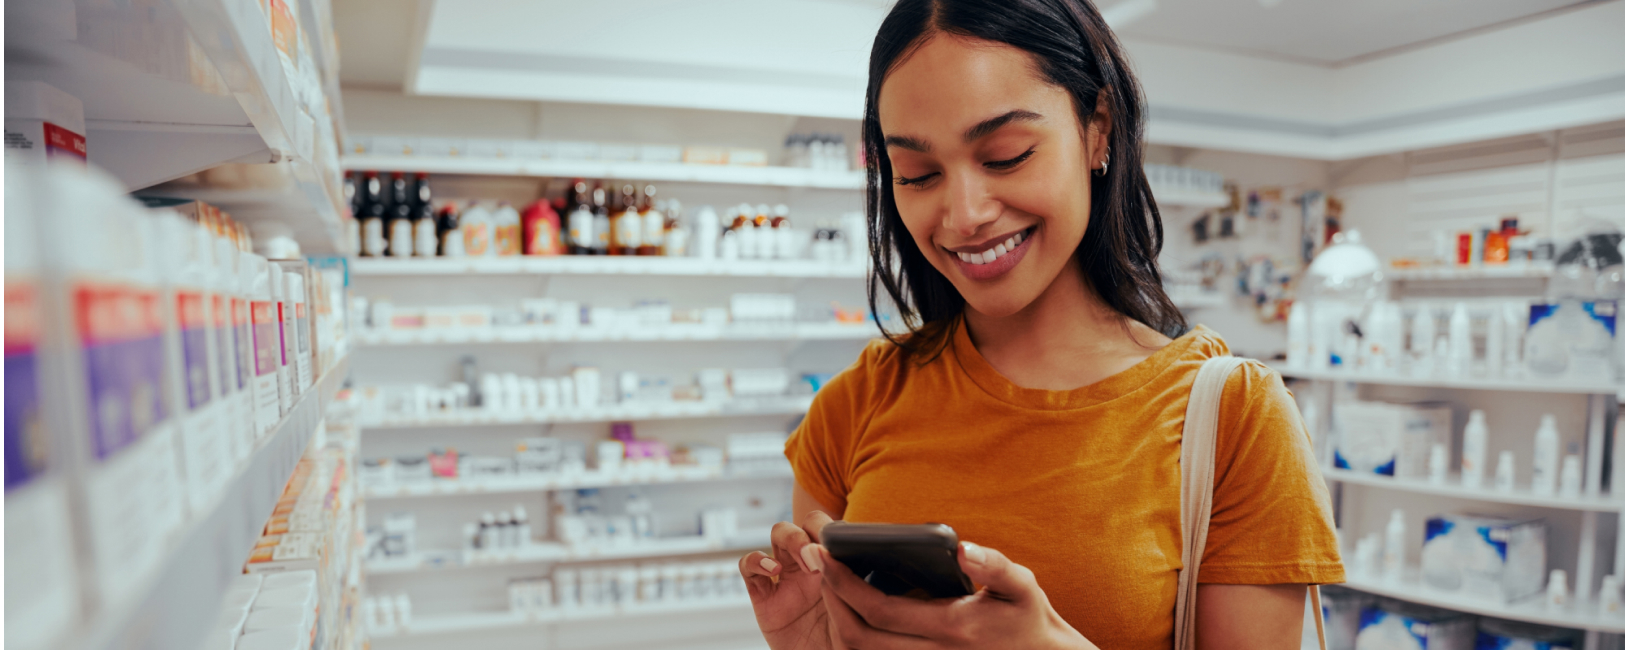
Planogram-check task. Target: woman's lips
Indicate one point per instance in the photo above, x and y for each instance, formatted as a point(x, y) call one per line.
point(976, 268)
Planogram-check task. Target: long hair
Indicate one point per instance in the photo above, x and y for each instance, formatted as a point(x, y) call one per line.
point(1075, 50)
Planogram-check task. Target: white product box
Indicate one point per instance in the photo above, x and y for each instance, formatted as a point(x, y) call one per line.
point(42, 124)
point(760, 381)
point(1389, 439)
point(1393, 625)
point(1504, 559)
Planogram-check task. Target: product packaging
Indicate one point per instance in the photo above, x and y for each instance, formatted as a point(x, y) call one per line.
point(1340, 608)
point(1389, 439)
point(1496, 634)
point(287, 358)
point(300, 348)
point(1394, 625)
point(207, 455)
point(41, 561)
point(232, 378)
point(1503, 559)
point(1572, 340)
point(266, 336)
point(42, 124)
point(100, 251)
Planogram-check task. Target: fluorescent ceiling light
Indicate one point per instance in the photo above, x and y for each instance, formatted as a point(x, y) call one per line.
point(1121, 14)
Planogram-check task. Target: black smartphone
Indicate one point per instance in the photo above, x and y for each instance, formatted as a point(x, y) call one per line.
point(900, 559)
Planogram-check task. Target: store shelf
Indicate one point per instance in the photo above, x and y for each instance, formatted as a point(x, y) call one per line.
point(147, 127)
point(1453, 488)
point(1511, 385)
point(605, 265)
point(1583, 616)
point(546, 482)
point(556, 552)
point(610, 169)
point(177, 609)
point(1188, 198)
point(738, 407)
point(679, 332)
point(1195, 298)
point(480, 621)
point(1539, 271)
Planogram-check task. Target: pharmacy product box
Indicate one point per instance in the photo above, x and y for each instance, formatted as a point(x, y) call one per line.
point(1504, 559)
point(1340, 608)
point(1496, 634)
point(1389, 439)
point(43, 124)
point(1571, 339)
point(1393, 625)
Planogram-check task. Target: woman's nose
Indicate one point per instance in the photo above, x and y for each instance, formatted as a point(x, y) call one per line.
point(970, 204)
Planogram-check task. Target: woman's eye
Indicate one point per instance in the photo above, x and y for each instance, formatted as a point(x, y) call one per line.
point(1011, 163)
point(917, 180)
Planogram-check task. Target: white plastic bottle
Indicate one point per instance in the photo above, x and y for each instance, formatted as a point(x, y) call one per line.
point(1423, 332)
point(1544, 480)
point(1461, 341)
point(476, 227)
point(505, 230)
point(1473, 441)
point(1393, 547)
point(1494, 344)
point(1505, 472)
point(707, 230)
point(1297, 335)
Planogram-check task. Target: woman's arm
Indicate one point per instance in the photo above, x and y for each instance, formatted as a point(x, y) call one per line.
point(1249, 617)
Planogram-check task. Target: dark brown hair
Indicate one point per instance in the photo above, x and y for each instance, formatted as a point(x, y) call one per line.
point(1075, 50)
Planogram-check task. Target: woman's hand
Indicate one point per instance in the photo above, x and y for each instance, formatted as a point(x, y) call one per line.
point(1010, 610)
point(784, 593)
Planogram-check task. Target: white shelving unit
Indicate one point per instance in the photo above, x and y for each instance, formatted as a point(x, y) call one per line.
point(547, 482)
point(480, 621)
point(607, 265)
point(612, 169)
point(1580, 615)
point(548, 552)
point(1168, 197)
point(1533, 270)
point(148, 128)
point(616, 413)
point(177, 607)
point(1532, 385)
point(1592, 501)
point(676, 332)
point(1453, 488)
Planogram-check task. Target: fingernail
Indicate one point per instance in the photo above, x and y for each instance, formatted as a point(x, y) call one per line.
point(809, 557)
point(974, 553)
point(769, 565)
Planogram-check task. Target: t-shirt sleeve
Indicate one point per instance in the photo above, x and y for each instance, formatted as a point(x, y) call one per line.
point(820, 450)
point(1272, 515)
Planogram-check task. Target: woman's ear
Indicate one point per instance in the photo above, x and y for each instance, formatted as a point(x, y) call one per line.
point(1097, 130)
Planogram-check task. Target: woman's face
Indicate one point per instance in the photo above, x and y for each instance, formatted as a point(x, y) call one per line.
point(990, 168)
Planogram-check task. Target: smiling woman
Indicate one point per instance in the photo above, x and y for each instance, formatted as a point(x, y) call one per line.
point(1037, 404)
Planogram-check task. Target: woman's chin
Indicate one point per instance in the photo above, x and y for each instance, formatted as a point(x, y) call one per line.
point(998, 304)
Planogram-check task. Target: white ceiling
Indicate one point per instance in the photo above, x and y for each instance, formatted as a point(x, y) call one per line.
point(1312, 78)
point(1325, 32)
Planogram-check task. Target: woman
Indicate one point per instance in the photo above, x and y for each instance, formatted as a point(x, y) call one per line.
point(1037, 403)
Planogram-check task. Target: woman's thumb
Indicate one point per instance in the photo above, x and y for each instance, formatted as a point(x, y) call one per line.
point(991, 569)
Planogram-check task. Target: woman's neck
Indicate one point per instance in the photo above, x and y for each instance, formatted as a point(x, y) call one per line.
point(1066, 338)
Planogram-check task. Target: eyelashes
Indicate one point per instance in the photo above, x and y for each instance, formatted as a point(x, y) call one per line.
point(996, 165)
point(1002, 165)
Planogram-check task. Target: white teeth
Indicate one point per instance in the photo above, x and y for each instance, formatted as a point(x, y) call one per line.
point(1001, 250)
point(965, 257)
point(1017, 238)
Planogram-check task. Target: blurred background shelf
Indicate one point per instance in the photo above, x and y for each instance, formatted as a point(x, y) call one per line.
point(557, 552)
point(1454, 489)
point(608, 265)
point(617, 170)
point(589, 479)
point(742, 407)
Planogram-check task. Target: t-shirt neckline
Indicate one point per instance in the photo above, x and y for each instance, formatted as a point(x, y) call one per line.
point(988, 378)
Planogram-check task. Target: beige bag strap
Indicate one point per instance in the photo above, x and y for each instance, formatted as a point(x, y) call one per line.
point(1198, 450)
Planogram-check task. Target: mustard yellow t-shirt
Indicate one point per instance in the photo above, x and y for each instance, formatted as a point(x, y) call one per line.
point(1081, 486)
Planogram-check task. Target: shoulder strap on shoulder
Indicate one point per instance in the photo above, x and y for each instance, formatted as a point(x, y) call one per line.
point(1197, 451)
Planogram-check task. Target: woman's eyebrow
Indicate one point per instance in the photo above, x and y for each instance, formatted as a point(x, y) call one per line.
point(992, 124)
point(971, 135)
